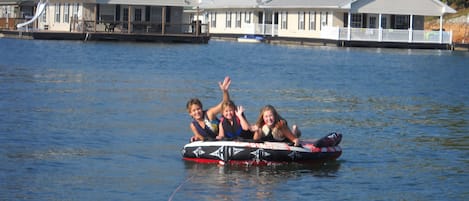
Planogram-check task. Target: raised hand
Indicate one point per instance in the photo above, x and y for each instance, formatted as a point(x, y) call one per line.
point(225, 84)
point(239, 111)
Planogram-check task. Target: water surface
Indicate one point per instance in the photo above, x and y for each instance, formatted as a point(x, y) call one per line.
point(107, 121)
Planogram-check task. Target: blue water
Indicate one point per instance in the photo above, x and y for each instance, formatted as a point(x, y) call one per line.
point(107, 121)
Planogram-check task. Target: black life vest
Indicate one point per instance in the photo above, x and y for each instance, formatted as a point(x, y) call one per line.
point(232, 131)
point(207, 132)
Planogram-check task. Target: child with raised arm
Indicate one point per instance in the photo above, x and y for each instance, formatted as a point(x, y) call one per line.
point(233, 124)
point(204, 125)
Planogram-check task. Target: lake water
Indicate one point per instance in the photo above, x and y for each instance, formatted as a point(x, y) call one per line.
point(107, 121)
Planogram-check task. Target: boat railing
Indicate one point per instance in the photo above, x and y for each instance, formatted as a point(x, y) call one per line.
point(266, 29)
point(111, 26)
point(395, 35)
point(364, 34)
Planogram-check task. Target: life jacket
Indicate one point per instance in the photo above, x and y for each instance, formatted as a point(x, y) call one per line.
point(211, 127)
point(231, 131)
point(273, 135)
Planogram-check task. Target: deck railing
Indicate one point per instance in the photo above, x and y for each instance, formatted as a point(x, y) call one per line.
point(267, 29)
point(139, 27)
point(363, 34)
point(393, 35)
point(117, 26)
point(259, 29)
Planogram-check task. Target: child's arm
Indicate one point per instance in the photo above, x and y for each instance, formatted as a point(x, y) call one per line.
point(244, 123)
point(224, 86)
point(221, 131)
point(197, 136)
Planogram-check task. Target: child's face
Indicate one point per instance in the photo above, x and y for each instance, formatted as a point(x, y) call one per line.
point(268, 118)
point(228, 112)
point(195, 111)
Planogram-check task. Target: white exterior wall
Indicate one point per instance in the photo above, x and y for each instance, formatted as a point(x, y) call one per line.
point(221, 22)
point(47, 19)
point(334, 19)
point(9, 11)
point(335, 28)
point(337, 19)
point(86, 13)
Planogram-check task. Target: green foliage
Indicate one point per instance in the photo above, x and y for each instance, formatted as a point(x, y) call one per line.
point(457, 3)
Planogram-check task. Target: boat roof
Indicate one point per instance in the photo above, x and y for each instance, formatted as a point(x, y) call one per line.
point(396, 7)
point(334, 4)
point(229, 4)
point(180, 3)
point(274, 3)
point(148, 2)
point(402, 7)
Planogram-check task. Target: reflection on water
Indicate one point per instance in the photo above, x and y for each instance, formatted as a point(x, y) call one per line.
point(248, 182)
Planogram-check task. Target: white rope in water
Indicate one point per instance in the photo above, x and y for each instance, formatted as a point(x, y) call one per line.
point(179, 187)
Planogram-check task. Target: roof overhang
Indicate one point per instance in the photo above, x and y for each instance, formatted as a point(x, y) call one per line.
point(401, 7)
point(17, 2)
point(307, 4)
point(148, 2)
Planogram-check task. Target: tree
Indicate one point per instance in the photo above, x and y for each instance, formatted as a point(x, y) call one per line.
point(457, 3)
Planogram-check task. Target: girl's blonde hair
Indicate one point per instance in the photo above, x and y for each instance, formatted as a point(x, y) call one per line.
point(278, 122)
point(227, 104)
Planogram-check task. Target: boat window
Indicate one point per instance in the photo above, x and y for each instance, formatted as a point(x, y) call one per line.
point(213, 19)
point(66, 12)
point(283, 17)
point(301, 20)
point(247, 17)
point(356, 21)
point(57, 12)
point(312, 20)
point(228, 20)
point(138, 15)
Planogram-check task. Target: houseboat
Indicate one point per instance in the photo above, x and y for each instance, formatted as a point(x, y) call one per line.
point(378, 23)
point(120, 20)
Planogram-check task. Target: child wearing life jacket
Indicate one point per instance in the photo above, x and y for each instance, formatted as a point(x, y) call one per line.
point(233, 124)
point(204, 123)
point(272, 127)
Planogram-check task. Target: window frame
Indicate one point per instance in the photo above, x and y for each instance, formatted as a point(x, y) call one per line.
point(67, 12)
point(301, 20)
point(247, 17)
point(356, 21)
point(228, 20)
point(138, 15)
point(284, 20)
point(312, 20)
point(213, 19)
point(238, 19)
point(57, 13)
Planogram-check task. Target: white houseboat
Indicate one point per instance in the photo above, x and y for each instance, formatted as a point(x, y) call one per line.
point(140, 20)
point(337, 21)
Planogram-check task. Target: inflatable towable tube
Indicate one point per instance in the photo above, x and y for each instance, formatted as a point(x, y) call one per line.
point(263, 153)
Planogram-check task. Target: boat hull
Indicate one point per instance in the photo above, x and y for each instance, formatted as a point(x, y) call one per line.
point(258, 153)
point(250, 39)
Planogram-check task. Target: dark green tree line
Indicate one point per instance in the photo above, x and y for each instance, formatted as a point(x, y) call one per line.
point(457, 3)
